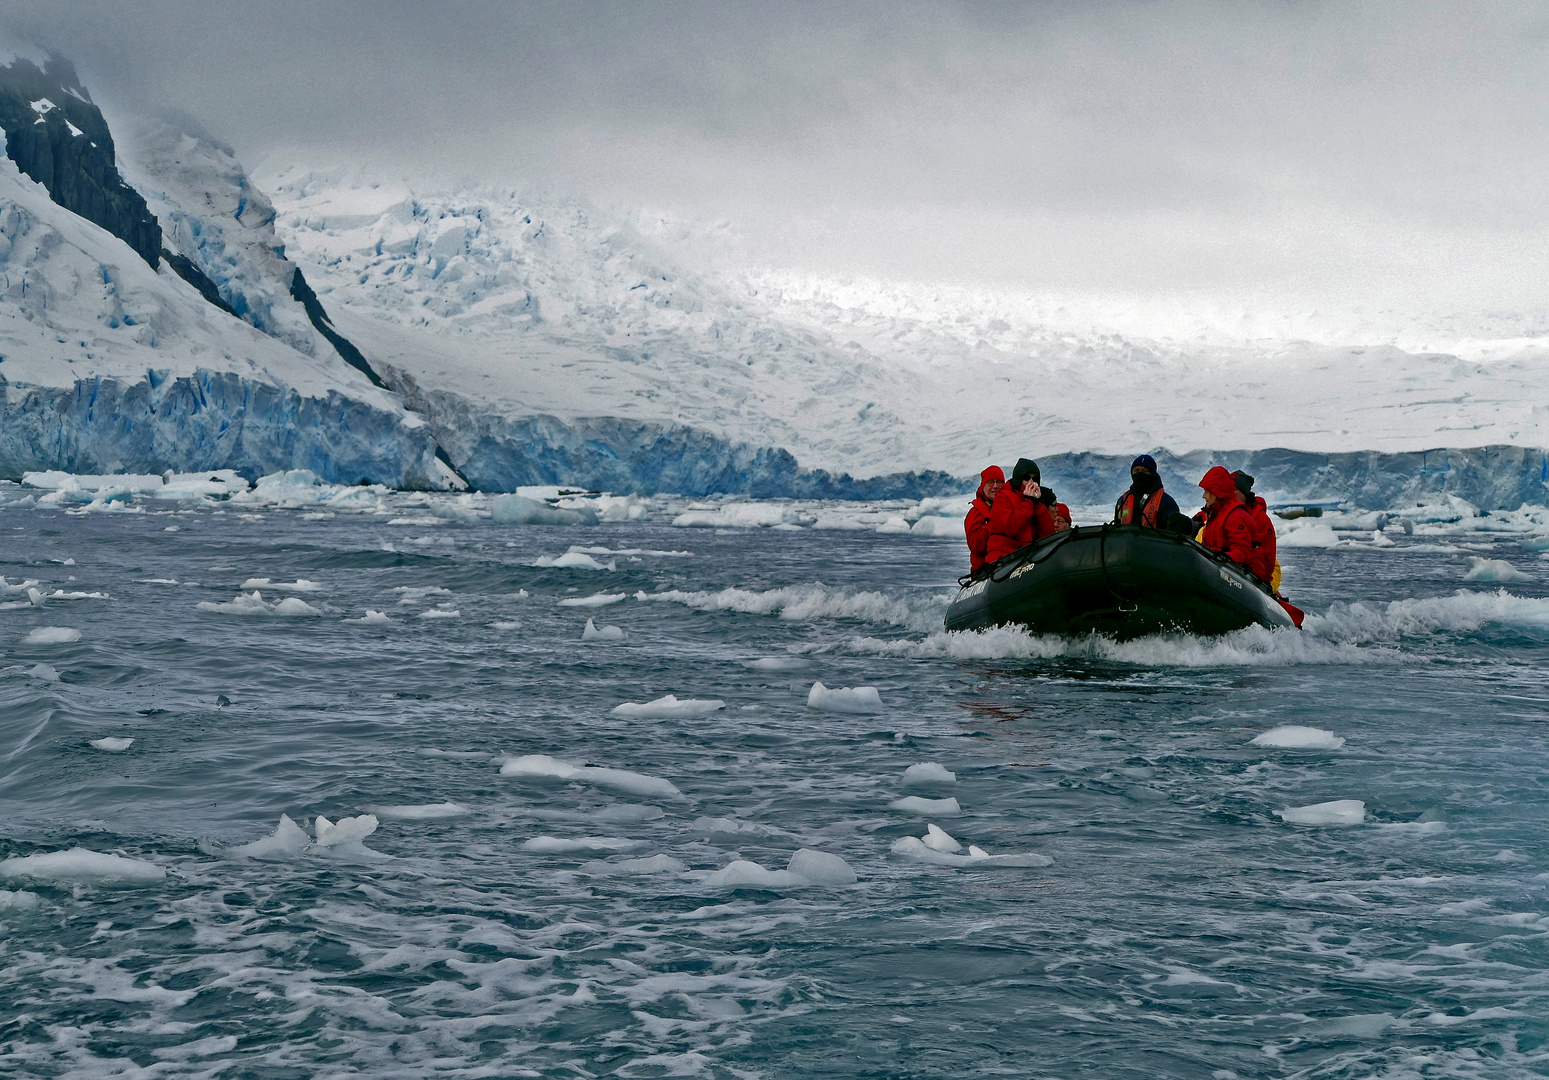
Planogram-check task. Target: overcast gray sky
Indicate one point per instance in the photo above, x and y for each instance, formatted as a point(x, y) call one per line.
point(1337, 152)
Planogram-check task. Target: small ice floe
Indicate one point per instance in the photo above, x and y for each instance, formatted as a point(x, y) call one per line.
point(775, 663)
point(655, 864)
point(253, 603)
point(440, 613)
point(720, 828)
point(807, 869)
point(541, 765)
point(1308, 533)
point(914, 804)
point(505, 625)
point(75, 594)
point(1338, 812)
point(1414, 828)
point(112, 745)
point(894, 524)
point(593, 632)
point(441, 811)
point(372, 616)
point(520, 510)
point(45, 672)
point(558, 845)
point(941, 848)
point(414, 594)
point(51, 635)
point(343, 837)
point(1296, 737)
point(299, 585)
point(858, 700)
point(18, 900)
point(946, 528)
point(573, 560)
point(928, 772)
point(1480, 569)
point(667, 706)
point(82, 866)
point(35, 598)
point(602, 599)
point(287, 841)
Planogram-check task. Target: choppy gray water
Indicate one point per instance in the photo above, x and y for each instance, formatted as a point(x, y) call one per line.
point(1182, 929)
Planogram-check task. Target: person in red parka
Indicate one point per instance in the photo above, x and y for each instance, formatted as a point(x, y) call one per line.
point(977, 523)
point(1263, 528)
point(1059, 510)
point(1228, 524)
point(1019, 516)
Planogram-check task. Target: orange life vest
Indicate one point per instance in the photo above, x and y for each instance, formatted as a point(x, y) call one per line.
point(1125, 513)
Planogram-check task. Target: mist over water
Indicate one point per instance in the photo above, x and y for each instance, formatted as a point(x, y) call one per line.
point(546, 888)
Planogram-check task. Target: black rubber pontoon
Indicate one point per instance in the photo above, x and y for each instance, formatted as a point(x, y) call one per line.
point(1122, 581)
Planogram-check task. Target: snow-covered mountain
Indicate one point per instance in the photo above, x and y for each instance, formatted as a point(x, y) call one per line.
point(115, 355)
point(530, 306)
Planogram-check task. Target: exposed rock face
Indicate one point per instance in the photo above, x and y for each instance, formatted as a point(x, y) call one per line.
point(58, 137)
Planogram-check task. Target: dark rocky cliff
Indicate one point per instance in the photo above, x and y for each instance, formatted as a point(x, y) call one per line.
point(58, 137)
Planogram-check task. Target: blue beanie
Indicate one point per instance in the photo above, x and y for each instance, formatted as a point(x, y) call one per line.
point(1144, 461)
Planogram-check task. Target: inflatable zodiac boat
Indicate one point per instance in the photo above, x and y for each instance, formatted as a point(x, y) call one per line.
point(1122, 581)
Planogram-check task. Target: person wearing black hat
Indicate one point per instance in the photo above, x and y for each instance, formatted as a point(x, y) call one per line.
point(1265, 564)
point(1146, 502)
point(1019, 516)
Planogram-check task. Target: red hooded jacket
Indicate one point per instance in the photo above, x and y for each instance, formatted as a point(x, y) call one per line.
point(1229, 526)
point(977, 523)
point(1263, 539)
point(1015, 522)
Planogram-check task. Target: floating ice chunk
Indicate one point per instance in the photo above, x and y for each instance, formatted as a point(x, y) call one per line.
point(573, 560)
point(565, 845)
point(1338, 812)
point(806, 869)
point(80, 865)
point(1414, 828)
point(1382, 539)
point(894, 524)
point(519, 510)
point(506, 625)
point(51, 635)
point(299, 585)
point(732, 829)
point(655, 864)
point(372, 616)
point(35, 598)
point(859, 700)
point(441, 613)
point(928, 772)
point(938, 839)
point(413, 594)
point(1308, 534)
point(45, 672)
point(667, 706)
point(345, 835)
point(294, 605)
point(1492, 570)
point(946, 528)
point(821, 868)
point(18, 900)
point(440, 811)
point(914, 804)
point(593, 632)
point(626, 813)
point(602, 599)
point(287, 841)
point(1296, 737)
point(774, 663)
point(244, 604)
point(541, 765)
point(112, 745)
point(933, 848)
